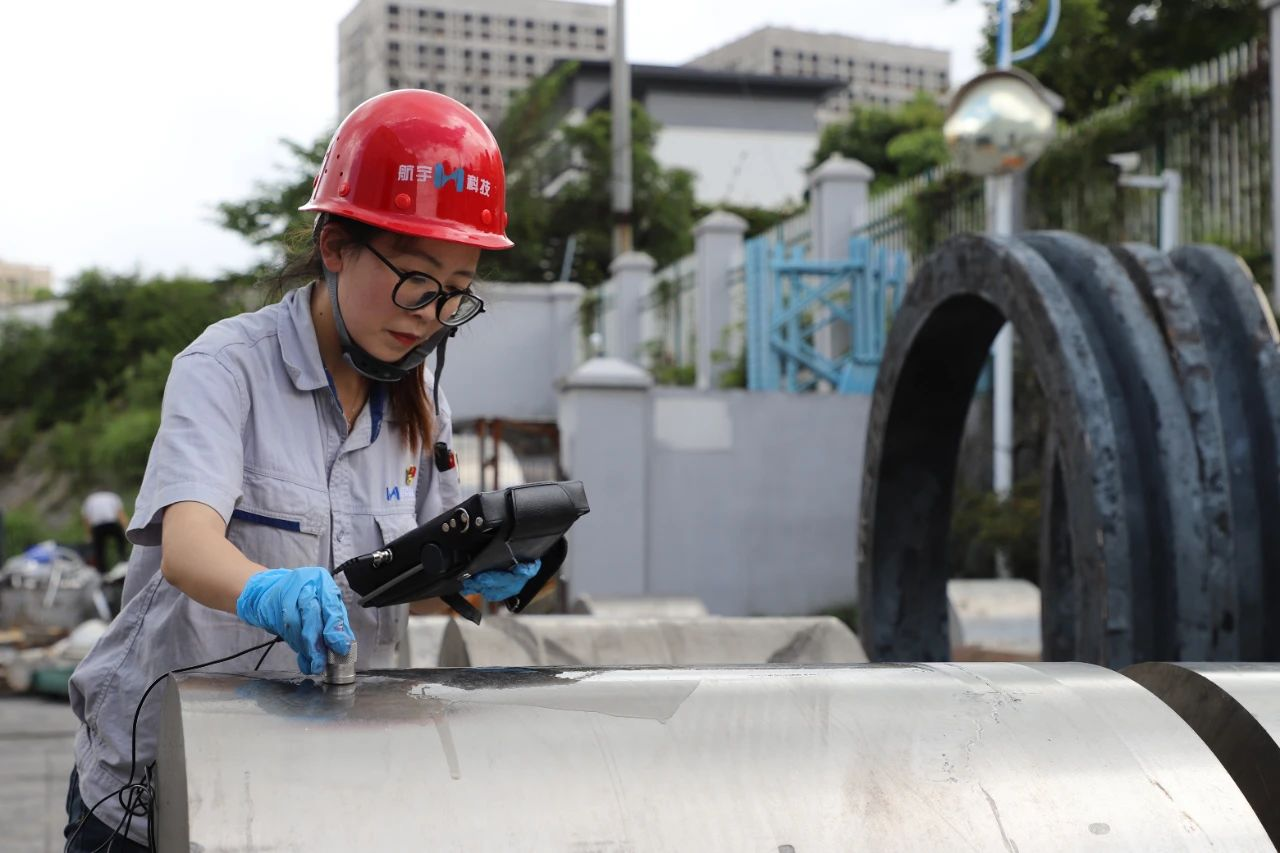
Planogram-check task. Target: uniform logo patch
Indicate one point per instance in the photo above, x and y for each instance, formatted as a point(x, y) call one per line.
point(410, 474)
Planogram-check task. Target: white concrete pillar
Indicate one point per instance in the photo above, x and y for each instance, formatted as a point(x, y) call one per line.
point(717, 246)
point(605, 424)
point(630, 275)
point(839, 203)
point(566, 307)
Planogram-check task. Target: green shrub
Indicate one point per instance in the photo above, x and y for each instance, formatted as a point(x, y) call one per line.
point(17, 439)
point(982, 524)
point(124, 442)
point(23, 527)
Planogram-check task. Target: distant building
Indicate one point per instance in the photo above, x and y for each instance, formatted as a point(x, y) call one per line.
point(747, 138)
point(31, 313)
point(22, 283)
point(477, 51)
point(875, 73)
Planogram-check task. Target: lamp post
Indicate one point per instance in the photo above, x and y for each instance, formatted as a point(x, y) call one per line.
point(620, 132)
point(999, 124)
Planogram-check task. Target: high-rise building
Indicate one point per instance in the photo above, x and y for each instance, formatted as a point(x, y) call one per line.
point(22, 283)
point(477, 51)
point(878, 73)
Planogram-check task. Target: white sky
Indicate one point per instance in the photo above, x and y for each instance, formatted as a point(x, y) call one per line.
point(124, 123)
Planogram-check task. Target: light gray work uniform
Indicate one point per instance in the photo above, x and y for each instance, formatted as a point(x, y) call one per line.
point(252, 427)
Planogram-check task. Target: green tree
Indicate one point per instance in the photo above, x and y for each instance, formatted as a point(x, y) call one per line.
point(532, 155)
point(93, 379)
point(896, 143)
point(530, 120)
point(24, 354)
point(538, 150)
point(541, 225)
point(270, 217)
point(1102, 49)
point(758, 219)
point(90, 358)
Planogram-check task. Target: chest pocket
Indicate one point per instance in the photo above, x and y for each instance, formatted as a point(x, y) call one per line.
point(393, 525)
point(392, 621)
point(278, 523)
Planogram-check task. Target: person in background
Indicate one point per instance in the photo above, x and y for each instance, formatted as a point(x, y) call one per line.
point(104, 523)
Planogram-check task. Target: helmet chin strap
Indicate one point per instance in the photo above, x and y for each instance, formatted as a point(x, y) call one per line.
point(386, 371)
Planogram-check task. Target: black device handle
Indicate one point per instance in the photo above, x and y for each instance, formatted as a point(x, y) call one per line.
point(551, 562)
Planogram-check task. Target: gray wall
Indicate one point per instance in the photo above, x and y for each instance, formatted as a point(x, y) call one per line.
point(748, 501)
point(749, 111)
point(506, 362)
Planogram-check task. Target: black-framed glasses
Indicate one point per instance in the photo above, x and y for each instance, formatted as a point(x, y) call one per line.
point(417, 290)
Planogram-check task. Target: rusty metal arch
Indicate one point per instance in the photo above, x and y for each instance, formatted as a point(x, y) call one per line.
point(1162, 478)
point(936, 348)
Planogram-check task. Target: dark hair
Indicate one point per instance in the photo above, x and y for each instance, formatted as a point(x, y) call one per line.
point(408, 398)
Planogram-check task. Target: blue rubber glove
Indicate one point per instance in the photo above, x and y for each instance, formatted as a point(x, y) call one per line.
point(303, 607)
point(501, 584)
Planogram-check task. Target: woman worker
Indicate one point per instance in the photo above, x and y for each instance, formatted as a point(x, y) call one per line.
point(295, 438)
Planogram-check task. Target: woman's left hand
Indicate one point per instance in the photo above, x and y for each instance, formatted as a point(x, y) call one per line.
point(499, 585)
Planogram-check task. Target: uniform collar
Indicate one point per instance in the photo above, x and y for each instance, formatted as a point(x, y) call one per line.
point(298, 344)
point(302, 359)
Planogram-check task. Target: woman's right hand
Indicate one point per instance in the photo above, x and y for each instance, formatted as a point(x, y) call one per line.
point(303, 607)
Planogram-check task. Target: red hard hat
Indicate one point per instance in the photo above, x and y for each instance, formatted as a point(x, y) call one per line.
point(416, 162)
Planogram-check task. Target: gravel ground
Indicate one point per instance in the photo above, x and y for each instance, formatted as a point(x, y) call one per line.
point(36, 738)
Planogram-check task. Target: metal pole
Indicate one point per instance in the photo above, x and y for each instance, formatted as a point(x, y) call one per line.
point(1170, 209)
point(1002, 349)
point(1169, 185)
point(1004, 35)
point(1001, 225)
point(621, 134)
point(570, 249)
point(1273, 10)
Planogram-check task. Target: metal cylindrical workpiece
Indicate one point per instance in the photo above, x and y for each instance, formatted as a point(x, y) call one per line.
point(602, 641)
point(912, 757)
point(340, 669)
point(642, 607)
point(1235, 708)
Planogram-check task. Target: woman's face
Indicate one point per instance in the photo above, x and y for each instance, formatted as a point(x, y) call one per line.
point(365, 284)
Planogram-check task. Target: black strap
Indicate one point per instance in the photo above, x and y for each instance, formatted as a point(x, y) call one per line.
point(435, 385)
point(464, 608)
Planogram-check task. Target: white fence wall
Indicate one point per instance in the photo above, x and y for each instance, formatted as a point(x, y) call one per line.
point(746, 500)
point(506, 363)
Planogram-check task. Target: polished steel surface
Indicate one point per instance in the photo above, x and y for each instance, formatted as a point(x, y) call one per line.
point(1235, 708)
point(610, 641)
point(997, 757)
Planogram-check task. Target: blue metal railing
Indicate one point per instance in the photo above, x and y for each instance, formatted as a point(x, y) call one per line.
point(792, 300)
